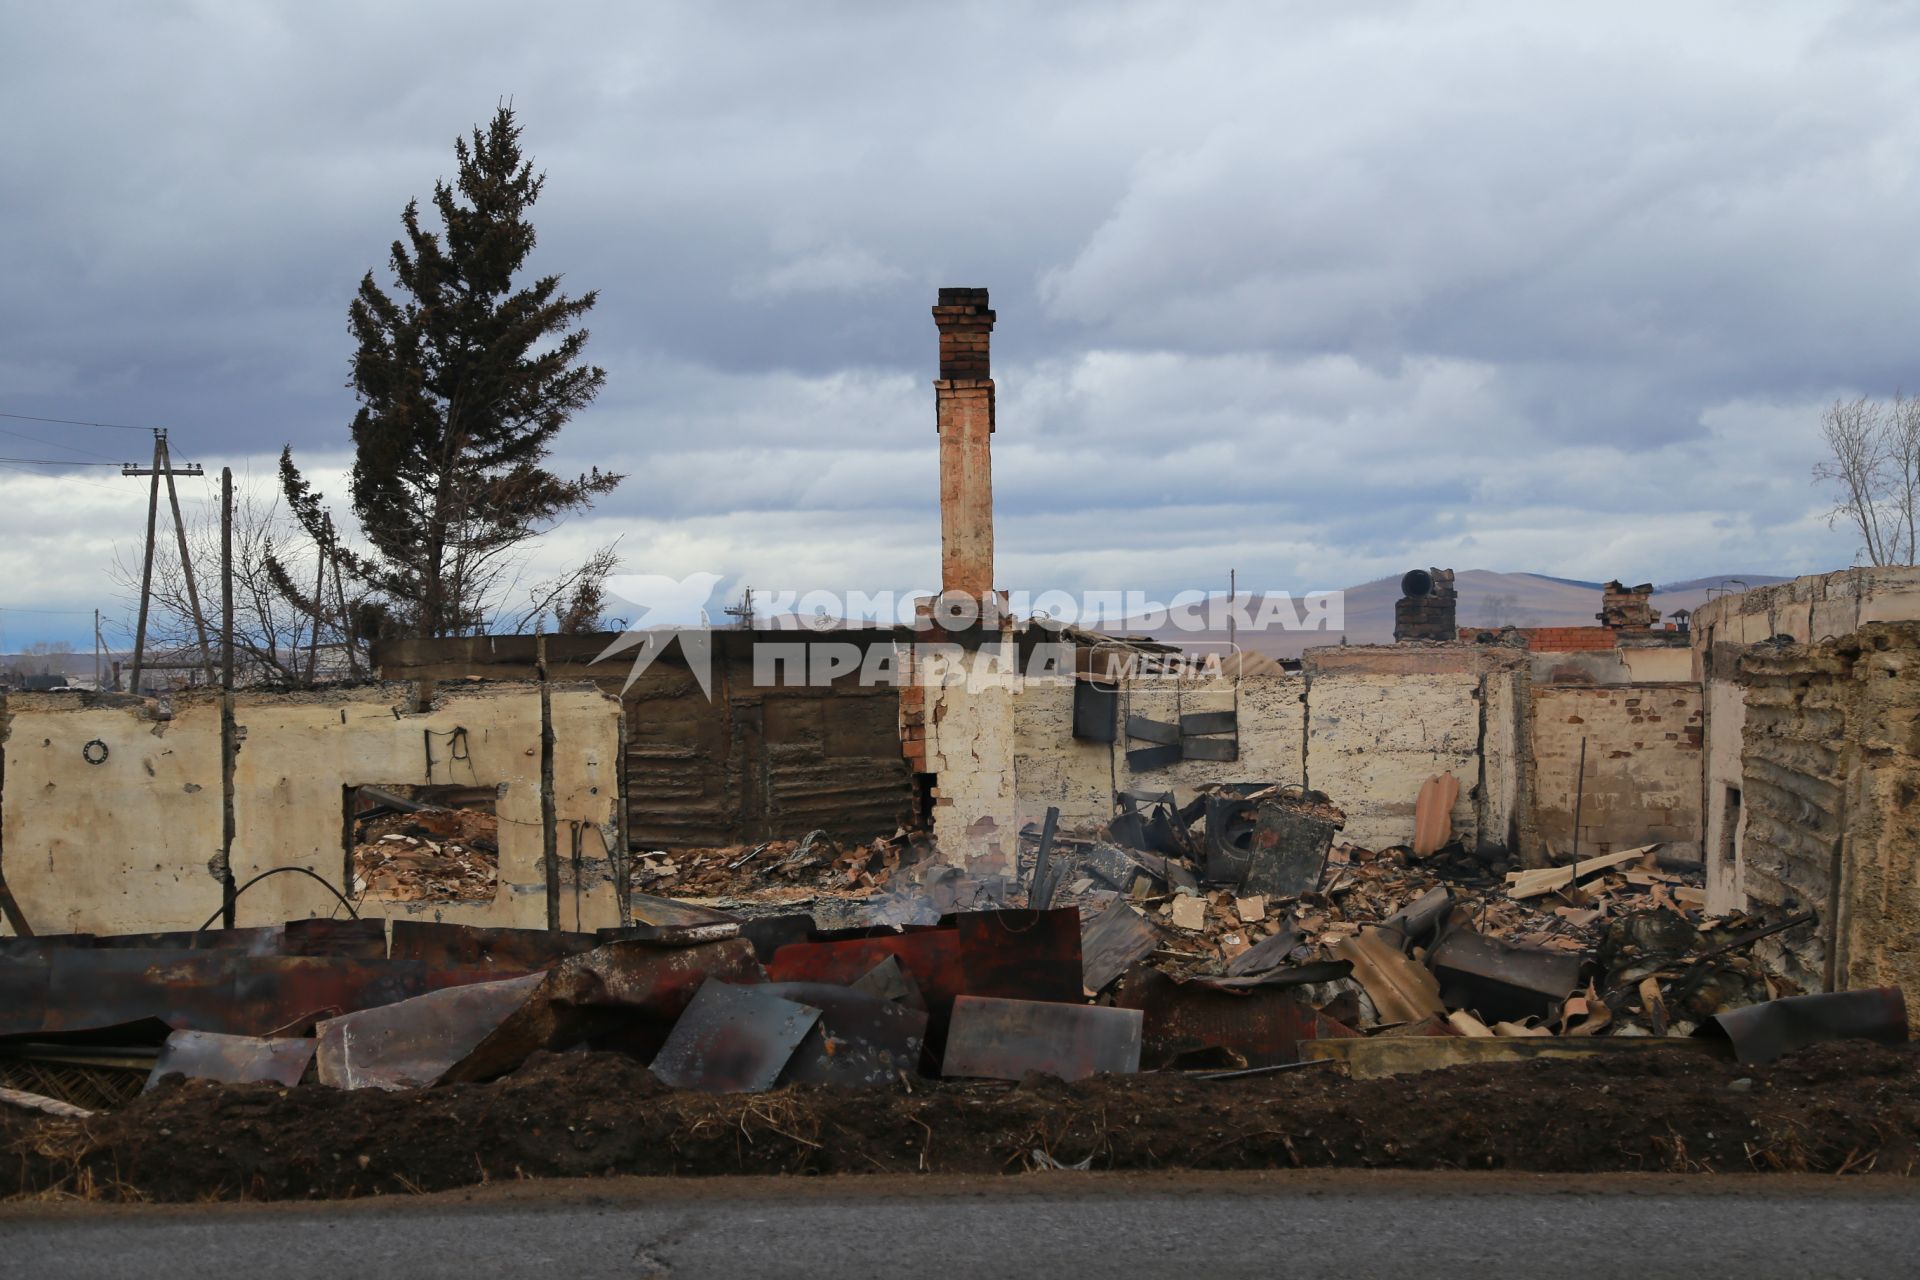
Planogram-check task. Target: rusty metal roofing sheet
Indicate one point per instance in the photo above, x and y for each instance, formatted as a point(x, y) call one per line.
point(930, 956)
point(1762, 1032)
point(890, 982)
point(1006, 1039)
point(648, 909)
point(859, 1039)
point(1499, 981)
point(224, 991)
point(1270, 952)
point(733, 1039)
point(411, 1044)
point(606, 989)
point(1021, 954)
point(1401, 990)
point(1111, 941)
point(1196, 1024)
point(363, 939)
point(205, 1055)
point(769, 933)
point(498, 950)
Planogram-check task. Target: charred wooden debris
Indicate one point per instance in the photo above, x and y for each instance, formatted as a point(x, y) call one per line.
point(1234, 934)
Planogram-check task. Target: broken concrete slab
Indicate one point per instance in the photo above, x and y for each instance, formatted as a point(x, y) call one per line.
point(1189, 912)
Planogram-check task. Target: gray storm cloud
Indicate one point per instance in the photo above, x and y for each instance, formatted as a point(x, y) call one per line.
point(1315, 295)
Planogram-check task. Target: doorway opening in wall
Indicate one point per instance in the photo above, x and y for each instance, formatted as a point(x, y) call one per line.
point(412, 843)
point(1730, 830)
point(923, 788)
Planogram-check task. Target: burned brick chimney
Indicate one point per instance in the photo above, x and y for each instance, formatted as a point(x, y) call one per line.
point(1426, 608)
point(963, 402)
point(1626, 608)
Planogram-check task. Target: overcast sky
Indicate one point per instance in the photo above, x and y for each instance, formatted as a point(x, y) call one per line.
point(1316, 292)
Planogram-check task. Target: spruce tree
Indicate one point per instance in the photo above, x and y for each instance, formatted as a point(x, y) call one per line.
point(465, 374)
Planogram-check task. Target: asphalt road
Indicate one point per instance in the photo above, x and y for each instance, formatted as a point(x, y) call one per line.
point(1195, 1227)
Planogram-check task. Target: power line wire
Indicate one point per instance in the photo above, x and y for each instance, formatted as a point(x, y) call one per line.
point(57, 444)
point(62, 462)
point(75, 422)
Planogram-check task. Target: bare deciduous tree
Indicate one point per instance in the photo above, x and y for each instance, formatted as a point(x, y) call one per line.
point(1873, 465)
point(278, 636)
point(575, 599)
point(1499, 609)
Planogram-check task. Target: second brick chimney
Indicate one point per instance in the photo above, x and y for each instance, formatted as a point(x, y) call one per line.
point(963, 405)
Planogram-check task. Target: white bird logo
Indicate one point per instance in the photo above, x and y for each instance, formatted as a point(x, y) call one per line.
point(655, 594)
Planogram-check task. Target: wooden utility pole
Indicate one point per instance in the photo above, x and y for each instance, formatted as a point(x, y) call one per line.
point(228, 736)
point(163, 467)
point(146, 567)
point(340, 594)
point(319, 601)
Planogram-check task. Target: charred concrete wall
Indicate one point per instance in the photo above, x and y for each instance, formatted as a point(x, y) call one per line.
point(111, 817)
point(1381, 721)
point(1877, 920)
point(1080, 778)
point(1367, 725)
point(968, 745)
point(1643, 760)
point(1830, 791)
point(1805, 611)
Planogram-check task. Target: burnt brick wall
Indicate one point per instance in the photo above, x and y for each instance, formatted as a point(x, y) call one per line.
point(1642, 780)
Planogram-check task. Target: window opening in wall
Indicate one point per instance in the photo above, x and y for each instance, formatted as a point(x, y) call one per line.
point(1730, 828)
point(412, 843)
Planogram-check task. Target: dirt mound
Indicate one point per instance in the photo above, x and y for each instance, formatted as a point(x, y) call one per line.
point(1852, 1107)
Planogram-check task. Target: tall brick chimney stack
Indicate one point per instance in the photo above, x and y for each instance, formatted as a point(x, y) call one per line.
point(963, 403)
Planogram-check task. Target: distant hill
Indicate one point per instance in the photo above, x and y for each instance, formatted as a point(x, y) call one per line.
point(1487, 599)
point(66, 664)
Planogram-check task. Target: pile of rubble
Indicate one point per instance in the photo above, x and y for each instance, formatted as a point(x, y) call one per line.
point(815, 861)
point(427, 855)
point(1226, 937)
point(1245, 889)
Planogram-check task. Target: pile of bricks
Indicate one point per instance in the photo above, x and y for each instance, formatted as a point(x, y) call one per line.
point(1627, 608)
